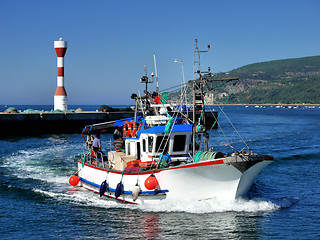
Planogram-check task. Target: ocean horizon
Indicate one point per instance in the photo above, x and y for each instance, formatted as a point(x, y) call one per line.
point(51, 107)
point(95, 107)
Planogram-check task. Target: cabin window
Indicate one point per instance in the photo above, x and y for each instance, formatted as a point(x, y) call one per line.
point(150, 143)
point(138, 152)
point(144, 145)
point(162, 144)
point(179, 143)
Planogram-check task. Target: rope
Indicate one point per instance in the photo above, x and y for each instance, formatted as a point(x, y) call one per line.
point(180, 85)
point(169, 125)
point(223, 83)
point(178, 110)
point(203, 108)
point(108, 172)
point(162, 102)
point(168, 134)
point(122, 175)
point(221, 110)
point(197, 157)
point(83, 160)
point(224, 105)
point(236, 130)
point(222, 130)
point(138, 180)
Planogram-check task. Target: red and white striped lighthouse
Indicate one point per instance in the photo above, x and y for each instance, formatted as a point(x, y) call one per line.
point(60, 97)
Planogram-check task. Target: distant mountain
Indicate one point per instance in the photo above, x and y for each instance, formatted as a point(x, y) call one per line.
point(284, 81)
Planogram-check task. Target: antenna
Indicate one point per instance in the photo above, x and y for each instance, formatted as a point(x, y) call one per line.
point(197, 59)
point(145, 79)
point(182, 80)
point(155, 69)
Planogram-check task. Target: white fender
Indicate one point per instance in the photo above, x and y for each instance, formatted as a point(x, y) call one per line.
point(136, 192)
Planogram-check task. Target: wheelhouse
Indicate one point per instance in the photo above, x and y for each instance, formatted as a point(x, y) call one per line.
point(151, 142)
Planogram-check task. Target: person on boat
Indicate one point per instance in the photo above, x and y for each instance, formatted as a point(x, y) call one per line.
point(118, 144)
point(96, 144)
point(97, 152)
point(117, 133)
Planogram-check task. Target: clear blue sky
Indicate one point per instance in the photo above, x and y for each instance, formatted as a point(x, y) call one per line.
point(109, 42)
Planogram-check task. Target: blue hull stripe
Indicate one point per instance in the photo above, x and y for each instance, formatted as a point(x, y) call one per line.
point(125, 192)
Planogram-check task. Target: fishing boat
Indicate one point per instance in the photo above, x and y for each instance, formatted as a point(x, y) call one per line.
point(166, 155)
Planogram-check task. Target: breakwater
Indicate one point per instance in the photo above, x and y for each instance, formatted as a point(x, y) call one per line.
point(25, 124)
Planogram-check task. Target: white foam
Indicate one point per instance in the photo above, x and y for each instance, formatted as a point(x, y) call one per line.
point(212, 206)
point(81, 196)
point(36, 163)
point(30, 164)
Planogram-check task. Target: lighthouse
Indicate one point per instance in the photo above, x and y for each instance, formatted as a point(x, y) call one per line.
point(60, 97)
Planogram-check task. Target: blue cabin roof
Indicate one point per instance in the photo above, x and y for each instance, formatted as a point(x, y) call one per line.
point(176, 128)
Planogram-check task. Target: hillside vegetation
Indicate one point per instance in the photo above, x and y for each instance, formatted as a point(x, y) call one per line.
point(285, 81)
point(282, 81)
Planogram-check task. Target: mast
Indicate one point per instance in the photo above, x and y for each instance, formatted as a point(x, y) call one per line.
point(145, 79)
point(182, 81)
point(198, 98)
point(155, 69)
point(196, 49)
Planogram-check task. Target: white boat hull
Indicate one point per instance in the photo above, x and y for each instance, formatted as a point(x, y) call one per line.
point(196, 181)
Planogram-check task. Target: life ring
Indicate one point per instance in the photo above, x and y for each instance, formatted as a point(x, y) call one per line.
point(127, 129)
point(133, 128)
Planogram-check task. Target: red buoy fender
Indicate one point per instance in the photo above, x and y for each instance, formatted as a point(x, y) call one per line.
point(74, 180)
point(151, 182)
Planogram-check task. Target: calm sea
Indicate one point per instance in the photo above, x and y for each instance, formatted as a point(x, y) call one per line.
point(36, 201)
point(21, 108)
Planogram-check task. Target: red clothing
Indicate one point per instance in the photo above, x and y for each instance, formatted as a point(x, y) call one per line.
point(118, 144)
point(157, 100)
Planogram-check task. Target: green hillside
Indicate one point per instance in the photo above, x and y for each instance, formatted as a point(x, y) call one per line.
point(285, 81)
point(280, 69)
point(282, 81)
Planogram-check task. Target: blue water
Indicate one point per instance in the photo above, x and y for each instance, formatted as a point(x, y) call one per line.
point(36, 201)
point(21, 108)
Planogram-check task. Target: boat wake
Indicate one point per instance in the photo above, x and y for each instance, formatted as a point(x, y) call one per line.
point(214, 206)
point(286, 202)
point(47, 164)
point(49, 168)
point(79, 196)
